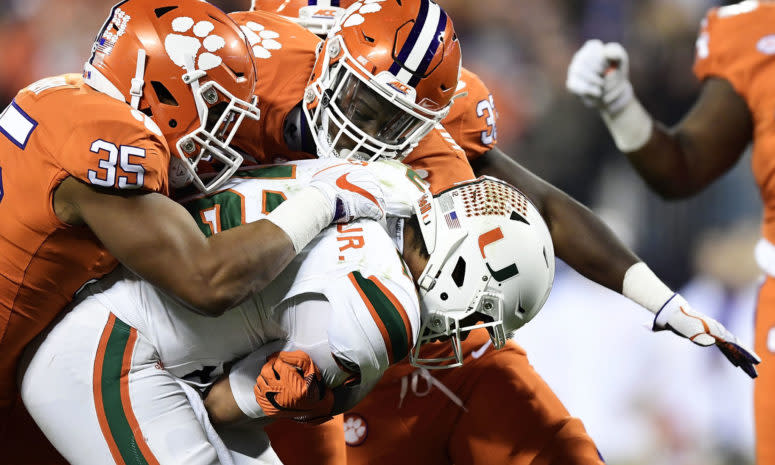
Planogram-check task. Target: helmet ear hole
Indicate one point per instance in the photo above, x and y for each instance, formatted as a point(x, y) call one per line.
point(161, 11)
point(163, 94)
point(459, 272)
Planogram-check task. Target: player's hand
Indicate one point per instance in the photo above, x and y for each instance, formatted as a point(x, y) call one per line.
point(290, 386)
point(598, 74)
point(353, 190)
point(677, 316)
point(403, 187)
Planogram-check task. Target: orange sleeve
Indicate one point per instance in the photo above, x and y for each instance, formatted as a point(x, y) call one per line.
point(472, 119)
point(732, 43)
point(123, 150)
point(440, 160)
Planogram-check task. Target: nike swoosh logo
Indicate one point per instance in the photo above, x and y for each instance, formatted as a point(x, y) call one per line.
point(270, 396)
point(344, 184)
point(480, 351)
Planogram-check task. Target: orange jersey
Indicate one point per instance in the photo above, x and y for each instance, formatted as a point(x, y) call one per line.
point(439, 160)
point(468, 132)
point(472, 119)
point(55, 128)
point(737, 43)
point(508, 416)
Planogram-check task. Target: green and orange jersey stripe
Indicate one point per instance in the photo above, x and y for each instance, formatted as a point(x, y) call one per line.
point(388, 313)
point(111, 395)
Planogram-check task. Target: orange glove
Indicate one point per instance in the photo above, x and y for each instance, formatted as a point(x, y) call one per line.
point(290, 386)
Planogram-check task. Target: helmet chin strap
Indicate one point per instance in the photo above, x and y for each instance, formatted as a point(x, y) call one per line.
point(439, 257)
point(136, 90)
point(99, 82)
point(325, 147)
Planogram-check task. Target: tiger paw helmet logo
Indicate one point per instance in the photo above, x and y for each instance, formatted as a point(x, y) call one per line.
point(181, 45)
point(355, 429)
point(261, 40)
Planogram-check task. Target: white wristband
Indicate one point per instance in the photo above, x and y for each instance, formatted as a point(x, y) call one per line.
point(631, 127)
point(303, 216)
point(643, 287)
point(242, 378)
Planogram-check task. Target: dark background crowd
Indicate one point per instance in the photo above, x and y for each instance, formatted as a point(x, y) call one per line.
point(521, 50)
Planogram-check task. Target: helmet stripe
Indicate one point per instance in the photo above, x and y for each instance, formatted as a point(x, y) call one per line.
point(411, 41)
point(418, 50)
point(431, 50)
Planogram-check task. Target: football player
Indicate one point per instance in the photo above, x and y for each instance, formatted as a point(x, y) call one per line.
point(580, 239)
point(344, 310)
point(87, 161)
point(733, 61)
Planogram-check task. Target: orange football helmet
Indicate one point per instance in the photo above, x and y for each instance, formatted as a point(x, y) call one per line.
point(317, 16)
point(185, 64)
point(385, 76)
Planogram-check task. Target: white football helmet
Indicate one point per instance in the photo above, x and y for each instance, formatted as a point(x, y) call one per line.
point(491, 265)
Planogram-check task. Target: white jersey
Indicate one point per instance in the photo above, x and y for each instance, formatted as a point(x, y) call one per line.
point(374, 311)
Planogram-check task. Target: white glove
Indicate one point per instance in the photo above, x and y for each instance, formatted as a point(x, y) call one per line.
point(353, 190)
point(403, 187)
point(677, 316)
point(598, 75)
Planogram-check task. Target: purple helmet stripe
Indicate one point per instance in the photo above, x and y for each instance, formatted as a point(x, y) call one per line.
point(414, 34)
point(426, 61)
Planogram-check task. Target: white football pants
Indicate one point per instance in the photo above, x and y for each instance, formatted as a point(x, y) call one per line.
point(96, 388)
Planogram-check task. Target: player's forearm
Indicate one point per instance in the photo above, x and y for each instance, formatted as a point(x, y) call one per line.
point(682, 160)
point(658, 154)
point(212, 275)
point(663, 163)
point(221, 406)
point(241, 261)
point(159, 240)
point(585, 243)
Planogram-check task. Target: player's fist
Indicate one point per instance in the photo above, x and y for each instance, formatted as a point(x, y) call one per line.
point(353, 191)
point(403, 187)
point(598, 74)
point(290, 386)
point(677, 316)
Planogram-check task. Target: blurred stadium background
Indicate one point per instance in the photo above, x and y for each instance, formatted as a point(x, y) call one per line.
point(645, 398)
